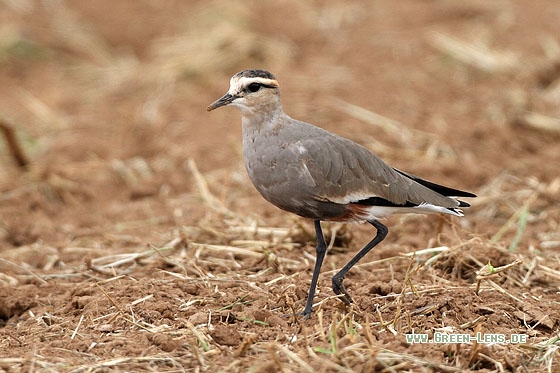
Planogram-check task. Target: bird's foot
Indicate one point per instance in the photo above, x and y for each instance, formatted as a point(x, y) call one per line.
point(339, 289)
point(306, 314)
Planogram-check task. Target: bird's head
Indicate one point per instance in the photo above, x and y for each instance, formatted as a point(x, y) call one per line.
point(251, 91)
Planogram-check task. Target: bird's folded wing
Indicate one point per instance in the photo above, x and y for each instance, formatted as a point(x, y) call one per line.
point(345, 172)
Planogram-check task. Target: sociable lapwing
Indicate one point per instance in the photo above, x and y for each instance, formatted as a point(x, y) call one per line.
point(318, 175)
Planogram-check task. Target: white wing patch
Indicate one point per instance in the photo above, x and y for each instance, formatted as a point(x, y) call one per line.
point(380, 212)
point(350, 198)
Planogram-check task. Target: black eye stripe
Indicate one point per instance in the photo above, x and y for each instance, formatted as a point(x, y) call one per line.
point(254, 87)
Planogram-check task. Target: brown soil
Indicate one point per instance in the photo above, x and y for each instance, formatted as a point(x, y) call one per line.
point(134, 241)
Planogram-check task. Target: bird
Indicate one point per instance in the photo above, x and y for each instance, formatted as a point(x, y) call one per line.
point(318, 175)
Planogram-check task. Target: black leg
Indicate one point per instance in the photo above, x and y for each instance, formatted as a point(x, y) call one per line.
point(321, 249)
point(337, 285)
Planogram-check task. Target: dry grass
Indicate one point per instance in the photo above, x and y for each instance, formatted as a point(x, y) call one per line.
point(343, 341)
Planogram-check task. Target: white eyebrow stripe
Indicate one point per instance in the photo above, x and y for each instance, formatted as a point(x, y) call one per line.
point(238, 84)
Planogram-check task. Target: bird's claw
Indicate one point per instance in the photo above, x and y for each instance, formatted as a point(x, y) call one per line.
point(339, 289)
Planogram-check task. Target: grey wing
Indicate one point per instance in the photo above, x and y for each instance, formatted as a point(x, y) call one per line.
point(346, 172)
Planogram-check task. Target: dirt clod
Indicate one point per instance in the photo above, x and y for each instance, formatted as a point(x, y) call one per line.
point(165, 342)
point(225, 335)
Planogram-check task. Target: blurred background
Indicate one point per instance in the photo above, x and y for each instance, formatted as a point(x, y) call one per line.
point(107, 100)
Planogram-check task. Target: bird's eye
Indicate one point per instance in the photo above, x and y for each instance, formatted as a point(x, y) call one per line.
point(253, 87)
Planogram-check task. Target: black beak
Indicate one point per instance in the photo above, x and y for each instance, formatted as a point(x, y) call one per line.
point(222, 101)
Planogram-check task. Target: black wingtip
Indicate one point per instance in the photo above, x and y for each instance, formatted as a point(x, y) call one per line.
point(443, 190)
